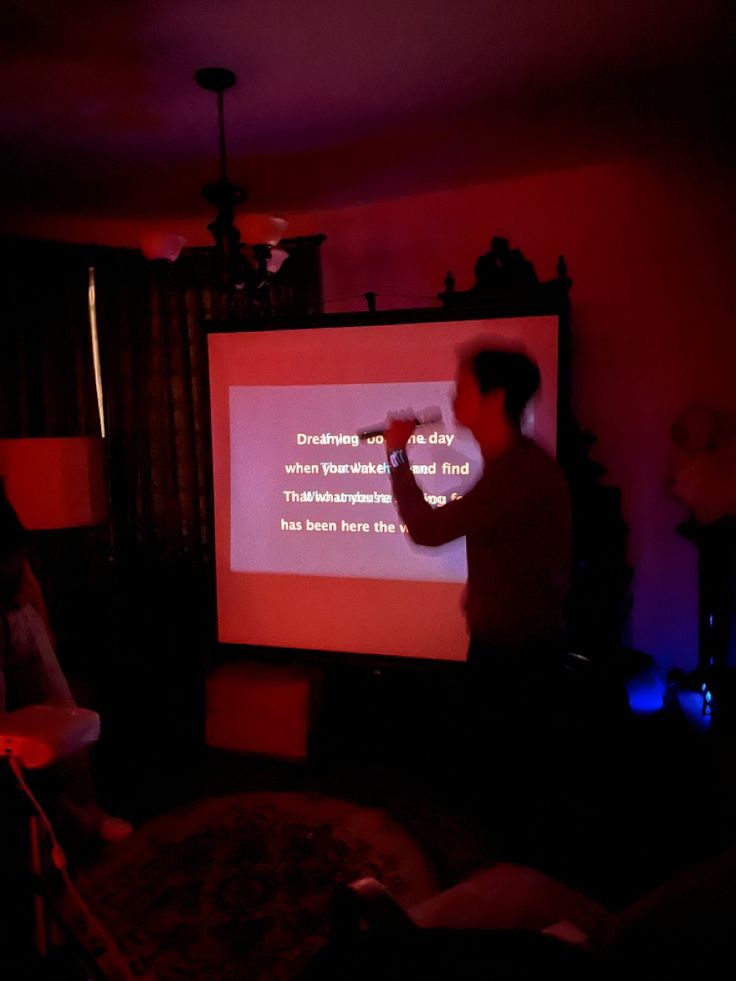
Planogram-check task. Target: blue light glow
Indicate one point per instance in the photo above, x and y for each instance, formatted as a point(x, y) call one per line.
point(691, 703)
point(645, 693)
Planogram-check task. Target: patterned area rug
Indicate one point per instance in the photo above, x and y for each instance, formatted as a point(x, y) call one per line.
point(238, 886)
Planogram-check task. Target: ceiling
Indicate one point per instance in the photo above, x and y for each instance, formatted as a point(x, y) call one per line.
point(338, 101)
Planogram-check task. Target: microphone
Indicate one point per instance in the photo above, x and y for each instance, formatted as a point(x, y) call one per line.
point(427, 418)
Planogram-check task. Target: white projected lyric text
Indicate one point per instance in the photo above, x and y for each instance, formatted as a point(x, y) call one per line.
point(356, 469)
point(311, 498)
point(337, 494)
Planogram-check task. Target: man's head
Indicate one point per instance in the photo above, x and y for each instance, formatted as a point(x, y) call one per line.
point(494, 384)
point(12, 551)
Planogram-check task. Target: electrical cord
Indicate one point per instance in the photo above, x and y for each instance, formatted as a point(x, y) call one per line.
point(58, 858)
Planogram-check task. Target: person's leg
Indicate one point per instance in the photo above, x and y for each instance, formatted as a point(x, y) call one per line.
point(492, 742)
point(514, 702)
point(78, 801)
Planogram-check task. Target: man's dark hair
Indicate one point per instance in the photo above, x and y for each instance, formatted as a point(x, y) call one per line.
point(512, 371)
point(12, 533)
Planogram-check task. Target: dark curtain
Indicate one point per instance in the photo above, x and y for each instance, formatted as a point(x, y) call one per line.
point(153, 346)
point(153, 340)
point(154, 370)
point(46, 372)
point(154, 367)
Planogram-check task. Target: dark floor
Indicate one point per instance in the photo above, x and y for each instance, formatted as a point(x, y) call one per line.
point(627, 801)
point(633, 800)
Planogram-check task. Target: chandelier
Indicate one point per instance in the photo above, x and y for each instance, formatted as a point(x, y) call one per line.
point(239, 266)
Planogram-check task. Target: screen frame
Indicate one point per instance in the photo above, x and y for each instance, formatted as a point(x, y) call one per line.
point(538, 304)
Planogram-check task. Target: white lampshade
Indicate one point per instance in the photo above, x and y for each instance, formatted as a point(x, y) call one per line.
point(261, 229)
point(162, 245)
point(276, 260)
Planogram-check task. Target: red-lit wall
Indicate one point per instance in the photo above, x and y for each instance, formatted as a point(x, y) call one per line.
point(650, 247)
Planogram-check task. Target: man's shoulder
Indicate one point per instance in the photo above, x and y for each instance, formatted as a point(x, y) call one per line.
point(533, 455)
point(539, 471)
point(525, 475)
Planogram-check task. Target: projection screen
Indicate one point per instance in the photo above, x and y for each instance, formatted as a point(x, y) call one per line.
point(310, 552)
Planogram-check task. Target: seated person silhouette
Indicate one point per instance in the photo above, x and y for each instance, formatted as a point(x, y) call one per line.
point(30, 674)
